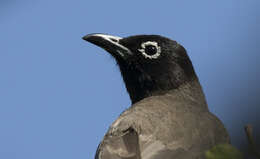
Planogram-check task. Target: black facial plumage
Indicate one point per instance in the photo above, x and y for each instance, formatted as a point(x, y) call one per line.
point(144, 76)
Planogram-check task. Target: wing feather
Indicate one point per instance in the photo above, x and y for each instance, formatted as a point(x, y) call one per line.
point(125, 146)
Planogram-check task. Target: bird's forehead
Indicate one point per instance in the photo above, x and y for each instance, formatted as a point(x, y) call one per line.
point(142, 38)
point(136, 41)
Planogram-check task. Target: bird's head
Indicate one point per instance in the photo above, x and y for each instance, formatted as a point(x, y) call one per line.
point(150, 64)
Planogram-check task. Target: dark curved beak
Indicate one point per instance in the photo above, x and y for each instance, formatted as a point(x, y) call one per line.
point(110, 43)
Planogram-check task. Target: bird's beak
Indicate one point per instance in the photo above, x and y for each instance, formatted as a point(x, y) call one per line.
point(109, 43)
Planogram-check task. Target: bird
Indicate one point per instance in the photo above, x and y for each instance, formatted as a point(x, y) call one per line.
point(169, 116)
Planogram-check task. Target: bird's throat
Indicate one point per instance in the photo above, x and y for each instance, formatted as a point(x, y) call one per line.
point(143, 85)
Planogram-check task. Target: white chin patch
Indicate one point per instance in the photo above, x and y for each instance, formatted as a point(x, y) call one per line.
point(150, 43)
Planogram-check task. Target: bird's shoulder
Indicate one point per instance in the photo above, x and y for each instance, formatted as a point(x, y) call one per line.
point(148, 125)
point(160, 126)
point(169, 114)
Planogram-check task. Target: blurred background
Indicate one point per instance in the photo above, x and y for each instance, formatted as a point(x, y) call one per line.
point(59, 94)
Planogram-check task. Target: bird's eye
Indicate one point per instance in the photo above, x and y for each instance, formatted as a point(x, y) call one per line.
point(150, 49)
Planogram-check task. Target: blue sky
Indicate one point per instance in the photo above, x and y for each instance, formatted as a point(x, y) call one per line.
point(59, 94)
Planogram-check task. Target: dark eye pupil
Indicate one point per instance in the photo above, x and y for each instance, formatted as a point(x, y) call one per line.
point(150, 50)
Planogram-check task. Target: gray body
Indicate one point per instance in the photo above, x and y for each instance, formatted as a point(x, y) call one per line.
point(177, 125)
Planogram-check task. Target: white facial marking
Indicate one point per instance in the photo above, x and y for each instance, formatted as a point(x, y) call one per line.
point(153, 43)
point(115, 40)
point(108, 37)
point(120, 53)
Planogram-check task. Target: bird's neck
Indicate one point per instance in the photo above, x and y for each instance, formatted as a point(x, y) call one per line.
point(191, 92)
point(189, 89)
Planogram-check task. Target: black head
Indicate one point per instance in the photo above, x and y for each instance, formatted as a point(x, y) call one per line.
point(150, 64)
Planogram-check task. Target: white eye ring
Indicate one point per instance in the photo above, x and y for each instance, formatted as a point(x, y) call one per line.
point(154, 56)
